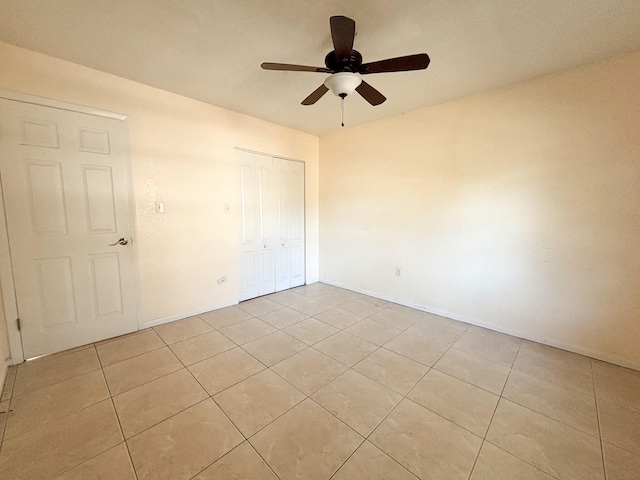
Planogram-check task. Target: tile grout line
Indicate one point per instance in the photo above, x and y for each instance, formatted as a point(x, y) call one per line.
point(115, 410)
point(227, 416)
point(493, 415)
point(595, 399)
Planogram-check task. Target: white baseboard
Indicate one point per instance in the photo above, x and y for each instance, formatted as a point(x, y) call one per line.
point(605, 357)
point(180, 316)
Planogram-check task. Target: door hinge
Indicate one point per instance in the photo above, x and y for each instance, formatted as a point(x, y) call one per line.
point(19, 326)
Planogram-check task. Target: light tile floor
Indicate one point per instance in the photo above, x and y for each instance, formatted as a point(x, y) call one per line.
point(319, 382)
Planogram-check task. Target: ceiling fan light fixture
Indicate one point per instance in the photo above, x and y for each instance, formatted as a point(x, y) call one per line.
point(342, 84)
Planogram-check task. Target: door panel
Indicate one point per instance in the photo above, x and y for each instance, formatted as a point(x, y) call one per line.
point(248, 243)
point(296, 224)
point(65, 181)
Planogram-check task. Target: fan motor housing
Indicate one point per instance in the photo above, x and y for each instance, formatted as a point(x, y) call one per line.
point(347, 65)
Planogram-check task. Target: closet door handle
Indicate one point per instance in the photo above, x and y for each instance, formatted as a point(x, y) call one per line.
point(284, 244)
point(266, 246)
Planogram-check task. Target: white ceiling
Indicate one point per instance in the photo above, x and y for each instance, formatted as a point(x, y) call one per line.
point(211, 50)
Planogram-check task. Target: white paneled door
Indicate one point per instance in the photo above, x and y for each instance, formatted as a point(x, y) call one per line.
point(271, 225)
point(66, 193)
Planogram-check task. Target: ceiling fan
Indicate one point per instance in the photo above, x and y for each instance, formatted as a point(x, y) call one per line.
point(345, 66)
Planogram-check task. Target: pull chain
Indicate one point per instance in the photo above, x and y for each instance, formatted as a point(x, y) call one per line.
point(342, 109)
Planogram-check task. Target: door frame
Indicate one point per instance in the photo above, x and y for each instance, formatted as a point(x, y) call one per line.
point(238, 213)
point(6, 269)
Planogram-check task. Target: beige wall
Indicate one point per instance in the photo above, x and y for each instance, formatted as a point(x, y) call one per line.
point(183, 154)
point(518, 209)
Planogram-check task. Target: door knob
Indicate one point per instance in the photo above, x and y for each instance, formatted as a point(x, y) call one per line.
point(122, 241)
point(266, 246)
point(284, 244)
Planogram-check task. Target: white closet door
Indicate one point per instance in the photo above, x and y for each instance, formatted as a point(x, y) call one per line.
point(296, 224)
point(249, 236)
point(272, 224)
point(65, 183)
point(266, 224)
point(282, 172)
point(257, 267)
point(290, 223)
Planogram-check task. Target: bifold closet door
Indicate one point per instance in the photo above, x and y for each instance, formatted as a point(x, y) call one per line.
point(289, 193)
point(271, 225)
point(257, 268)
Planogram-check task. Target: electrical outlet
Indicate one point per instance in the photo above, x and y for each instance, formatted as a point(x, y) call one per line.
point(398, 271)
point(222, 280)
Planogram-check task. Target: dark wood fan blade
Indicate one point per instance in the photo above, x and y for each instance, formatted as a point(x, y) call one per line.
point(419, 61)
point(294, 68)
point(370, 94)
point(343, 31)
point(315, 95)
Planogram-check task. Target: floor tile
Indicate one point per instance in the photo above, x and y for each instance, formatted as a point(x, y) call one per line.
point(257, 401)
point(361, 307)
point(565, 405)
point(427, 444)
point(239, 464)
point(226, 369)
point(617, 384)
point(554, 365)
point(307, 442)
point(183, 445)
point(373, 331)
point(283, 317)
point(311, 306)
point(559, 450)
point(413, 312)
point(620, 426)
point(318, 289)
point(371, 463)
point(286, 297)
point(496, 464)
point(4, 414)
point(274, 347)
point(129, 346)
point(179, 330)
point(438, 329)
point(153, 402)
point(339, 318)
point(9, 381)
point(130, 373)
point(311, 331)
point(198, 348)
point(247, 331)
point(56, 447)
point(345, 348)
point(357, 400)
point(489, 345)
point(620, 464)
point(44, 405)
point(464, 404)
point(114, 464)
point(394, 318)
point(46, 371)
point(392, 370)
point(259, 306)
point(336, 298)
point(309, 370)
point(417, 348)
point(224, 317)
point(482, 373)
